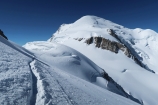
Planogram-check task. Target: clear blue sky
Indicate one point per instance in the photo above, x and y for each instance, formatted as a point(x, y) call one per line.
point(35, 20)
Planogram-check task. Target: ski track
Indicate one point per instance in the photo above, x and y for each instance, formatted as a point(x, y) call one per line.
point(46, 94)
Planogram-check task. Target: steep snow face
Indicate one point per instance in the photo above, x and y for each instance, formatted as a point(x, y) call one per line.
point(15, 76)
point(122, 69)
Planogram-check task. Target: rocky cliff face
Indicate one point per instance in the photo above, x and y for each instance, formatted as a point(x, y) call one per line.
point(107, 45)
point(2, 34)
point(113, 46)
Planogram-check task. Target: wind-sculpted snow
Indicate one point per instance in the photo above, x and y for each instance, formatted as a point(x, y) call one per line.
point(15, 78)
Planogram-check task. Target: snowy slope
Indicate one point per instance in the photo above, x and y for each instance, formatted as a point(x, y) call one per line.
point(15, 76)
point(139, 82)
point(29, 78)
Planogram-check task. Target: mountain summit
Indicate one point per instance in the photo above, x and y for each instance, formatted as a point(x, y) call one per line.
point(83, 28)
point(143, 41)
point(129, 56)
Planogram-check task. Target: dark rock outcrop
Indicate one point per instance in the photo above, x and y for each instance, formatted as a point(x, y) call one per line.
point(113, 46)
point(2, 34)
point(108, 45)
point(112, 33)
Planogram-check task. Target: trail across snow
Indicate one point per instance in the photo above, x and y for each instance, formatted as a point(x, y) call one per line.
point(34, 90)
point(48, 88)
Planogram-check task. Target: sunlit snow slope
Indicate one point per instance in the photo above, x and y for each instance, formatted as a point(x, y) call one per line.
point(138, 81)
point(47, 76)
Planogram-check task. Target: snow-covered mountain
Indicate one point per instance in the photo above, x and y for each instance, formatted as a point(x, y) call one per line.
point(54, 74)
point(129, 56)
point(92, 61)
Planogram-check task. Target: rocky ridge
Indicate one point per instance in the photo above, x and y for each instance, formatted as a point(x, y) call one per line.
point(2, 34)
point(114, 46)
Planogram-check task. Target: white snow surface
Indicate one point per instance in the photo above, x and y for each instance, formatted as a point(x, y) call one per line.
point(15, 77)
point(51, 74)
point(137, 81)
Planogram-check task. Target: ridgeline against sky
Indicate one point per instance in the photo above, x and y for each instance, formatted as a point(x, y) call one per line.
point(24, 21)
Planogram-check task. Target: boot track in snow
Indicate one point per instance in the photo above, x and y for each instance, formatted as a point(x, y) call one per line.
point(34, 87)
point(42, 93)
